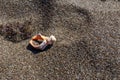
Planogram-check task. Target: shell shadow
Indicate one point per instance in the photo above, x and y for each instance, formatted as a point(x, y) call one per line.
point(36, 51)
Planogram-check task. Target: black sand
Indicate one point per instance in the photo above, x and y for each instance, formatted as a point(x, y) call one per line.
point(88, 40)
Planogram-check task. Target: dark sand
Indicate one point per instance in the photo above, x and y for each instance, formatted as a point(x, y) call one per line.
point(88, 40)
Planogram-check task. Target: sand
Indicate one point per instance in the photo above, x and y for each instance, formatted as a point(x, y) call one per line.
point(88, 40)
